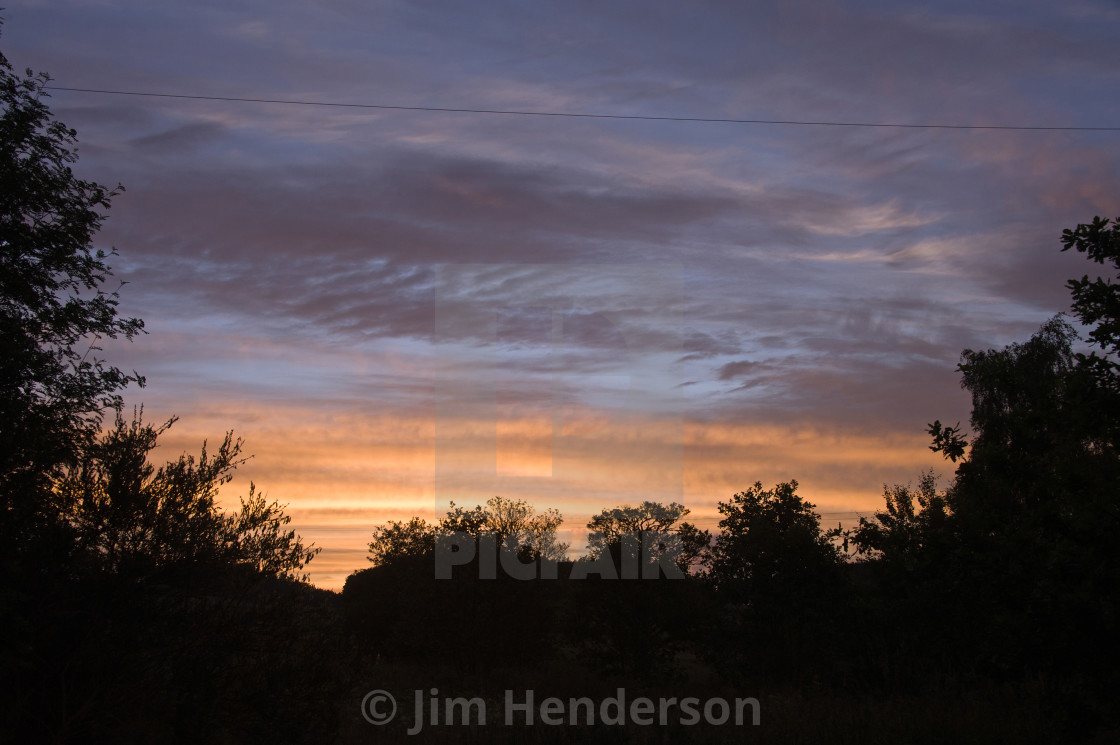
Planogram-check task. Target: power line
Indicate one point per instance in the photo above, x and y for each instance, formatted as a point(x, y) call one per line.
point(573, 115)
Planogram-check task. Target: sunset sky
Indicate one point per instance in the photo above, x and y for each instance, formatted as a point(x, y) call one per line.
point(399, 308)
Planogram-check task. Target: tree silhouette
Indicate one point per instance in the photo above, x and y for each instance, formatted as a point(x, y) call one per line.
point(512, 524)
point(516, 525)
point(1044, 443)
point(777, 575)
point(770, 539)
point(914, 525)
point(652, 529)
point(1096, 302)
point(611, 524)
point(134, 519)
point(399, 540)
point(1033, 503)
point(54, 307)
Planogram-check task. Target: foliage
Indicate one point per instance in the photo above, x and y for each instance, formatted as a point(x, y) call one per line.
point(652, 525)
point(515, 523)
point(1096, 302)
point(134, 519)
point(54, 307)
point(512, 523)
point(770, 539)
point(398, 540)
point(610, 525)
point(128, 596)
point(695, 546)
point(901, 533)
point(777, 578)
point(471, 521)
point(948, 440)
point(1033, 504)
point(257, 535)
point(1044, 433)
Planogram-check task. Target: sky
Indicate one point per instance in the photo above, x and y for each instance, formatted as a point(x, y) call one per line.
point(397, 309)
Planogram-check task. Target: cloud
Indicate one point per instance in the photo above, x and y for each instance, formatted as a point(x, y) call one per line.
point(182, 138)
point(738, 369)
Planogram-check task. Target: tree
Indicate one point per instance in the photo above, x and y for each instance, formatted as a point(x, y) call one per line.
point(115, 630)
point(778, 576)
point(1096, 302)
point(1033, 503)
point(1045, 419)
point(649, 517)
point(257, 536)
point(1044, 435)
point(516, 525)
point(472, 521)
point(54, 307)
point(914, 525)
point(695, 547)
point(636, 627)
point(135, 520)
point(398, 540)
point(771, 542)
point(652, 526)
point(513, 524)
point(469, 622)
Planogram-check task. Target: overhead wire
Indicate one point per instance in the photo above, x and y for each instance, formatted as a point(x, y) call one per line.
point(582, 115)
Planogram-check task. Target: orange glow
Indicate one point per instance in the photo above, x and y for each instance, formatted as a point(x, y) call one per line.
point(341, 474)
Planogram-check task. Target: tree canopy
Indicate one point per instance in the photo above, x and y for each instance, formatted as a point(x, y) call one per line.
point(135, 519)
point(655, 528)
point(396, 540)
point(610, 525)
point(510, 523)
point(1096, 302)
point(770, 540)
point(1044, 442)
point(913, 523)
point(56, 302)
